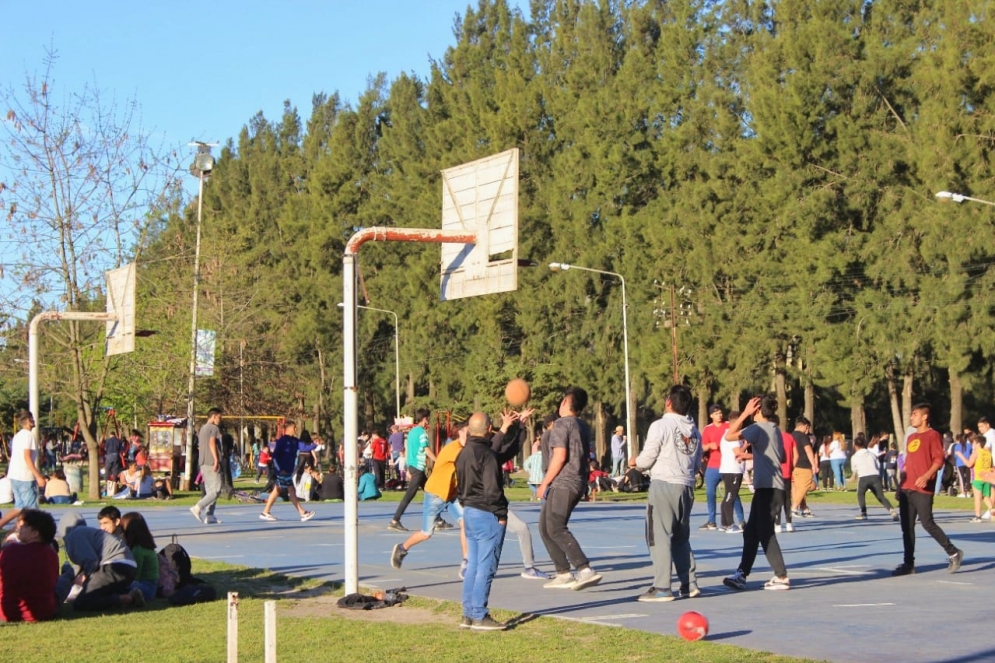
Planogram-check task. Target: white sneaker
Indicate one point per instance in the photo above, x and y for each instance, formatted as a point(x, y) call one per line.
point(789, 527)
point(776, 583)
point(561, 581)
point(777, 529)
point(987, 515)
point(586, 578)
point(195, 510)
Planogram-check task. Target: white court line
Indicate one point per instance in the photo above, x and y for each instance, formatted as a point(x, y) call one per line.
point(841, 571)
point(606, 547)
point(327, 545)
point(219, 556)
point(861, 605)
point(634, 615)
point(954, 582)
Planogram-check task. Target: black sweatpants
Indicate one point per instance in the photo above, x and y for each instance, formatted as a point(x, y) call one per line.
point(102, 590)
point(416, 480)
point(759, 531)
point(873, 484)
point(783, 501)
point(561, 545)
point(911, 505)
point(732, 482)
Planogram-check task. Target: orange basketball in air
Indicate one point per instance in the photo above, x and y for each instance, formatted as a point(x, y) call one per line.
point(517, 392)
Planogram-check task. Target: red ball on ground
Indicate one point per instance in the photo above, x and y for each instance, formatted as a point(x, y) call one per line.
point(517, 392)
point(692, 626)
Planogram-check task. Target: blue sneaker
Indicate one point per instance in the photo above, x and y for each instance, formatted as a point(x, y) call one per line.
point(656, 595)
point(533, 573)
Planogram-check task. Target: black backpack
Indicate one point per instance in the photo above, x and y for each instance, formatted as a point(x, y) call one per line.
point(175, 553)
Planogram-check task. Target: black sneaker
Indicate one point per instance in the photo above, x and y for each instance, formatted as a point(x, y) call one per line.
point(465, 622)
point(955, 561)
point(398, 555)
point(905, 570)
point(487, 624)
point(443, 524)
point(709, 526)
point(396, 526)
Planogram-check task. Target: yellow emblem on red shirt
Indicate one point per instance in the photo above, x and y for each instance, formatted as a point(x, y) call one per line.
point(914, 445)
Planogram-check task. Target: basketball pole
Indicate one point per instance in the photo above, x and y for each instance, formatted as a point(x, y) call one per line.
point(350, 393)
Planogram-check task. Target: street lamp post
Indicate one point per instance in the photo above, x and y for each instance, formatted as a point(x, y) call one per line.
point(397, 357)
point(201, 167)
point(629, 418)
point(948, 197)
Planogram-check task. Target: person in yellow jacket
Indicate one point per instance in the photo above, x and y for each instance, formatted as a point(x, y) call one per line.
point(440, 492)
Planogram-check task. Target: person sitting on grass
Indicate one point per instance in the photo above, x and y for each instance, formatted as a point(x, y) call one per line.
point(162, 488)
point(597, 480)
point(144, 487)
point(100, 570)
point(57, 489)
point(109, 519)
point(367, 485)
point(29, 568)
point(331, 487)
point(142, 545)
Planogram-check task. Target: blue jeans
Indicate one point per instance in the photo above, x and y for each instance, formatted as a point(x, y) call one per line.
point(837, 465)
point(484, 540)
point(148, 588)
point(62, 499)
point(712, 481)
point(432, 507)
point(618, 468)
point(25, 494)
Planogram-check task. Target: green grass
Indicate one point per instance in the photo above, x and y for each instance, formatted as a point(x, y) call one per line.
point(310, 626)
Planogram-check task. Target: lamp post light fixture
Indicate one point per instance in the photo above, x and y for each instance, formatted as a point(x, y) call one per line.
point(397, 356)
point(203, 164)
point(629, 418)
point(949, 197)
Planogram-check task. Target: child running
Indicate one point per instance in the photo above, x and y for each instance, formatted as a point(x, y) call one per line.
point(981, 461)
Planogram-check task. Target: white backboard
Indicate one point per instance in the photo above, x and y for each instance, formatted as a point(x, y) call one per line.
point(481, 197)
point(121, 300)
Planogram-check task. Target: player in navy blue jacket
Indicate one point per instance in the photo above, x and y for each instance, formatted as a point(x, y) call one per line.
point(285, 451)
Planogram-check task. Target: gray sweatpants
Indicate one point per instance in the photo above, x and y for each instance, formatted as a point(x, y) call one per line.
point(668, 530)
point(520, 528)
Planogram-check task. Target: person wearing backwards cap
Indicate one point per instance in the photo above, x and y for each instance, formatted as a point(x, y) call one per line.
point(618, 452)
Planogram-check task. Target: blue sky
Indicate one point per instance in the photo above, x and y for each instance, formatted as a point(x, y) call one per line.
point(201, 70)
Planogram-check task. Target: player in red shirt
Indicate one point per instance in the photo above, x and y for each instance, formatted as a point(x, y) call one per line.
point(923, 459)
point(711, 437)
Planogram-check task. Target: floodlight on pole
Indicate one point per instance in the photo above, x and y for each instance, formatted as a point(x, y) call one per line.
point(950, 197)
point(397, 357)
point(629, 418)
point(203, 164)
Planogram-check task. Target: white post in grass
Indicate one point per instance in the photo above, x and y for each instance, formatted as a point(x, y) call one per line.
point(232, 627)
point(269, 617)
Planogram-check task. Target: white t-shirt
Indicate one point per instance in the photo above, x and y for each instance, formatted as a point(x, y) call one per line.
point(6, 491)
point(19, 470)
point(989, 438)
point(728, 464)
point(837, 451)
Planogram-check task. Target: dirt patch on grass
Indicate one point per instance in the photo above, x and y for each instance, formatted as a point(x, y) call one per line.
point(326, 606)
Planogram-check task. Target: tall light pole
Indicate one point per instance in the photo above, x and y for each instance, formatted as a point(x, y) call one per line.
point(629, 418)
point(948, 197)
point(203, 164)
point(397, 357)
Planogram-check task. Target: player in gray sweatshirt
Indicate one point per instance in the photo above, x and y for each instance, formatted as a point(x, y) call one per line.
point(672, 454)
point(100, 563)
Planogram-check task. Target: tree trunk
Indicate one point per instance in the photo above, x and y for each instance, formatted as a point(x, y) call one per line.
point(809, 390)
point(896, 412)
point(907, 381)
point(703, 419)
point(782, 395)
point(956, 403)
point(858, 419)
point(409, 392)
point(599, 431)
